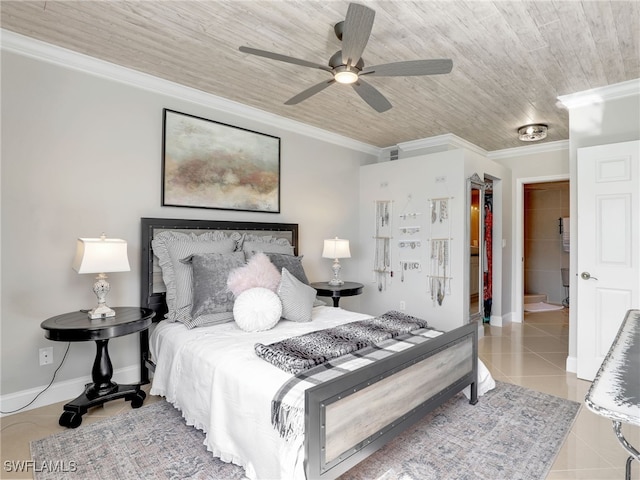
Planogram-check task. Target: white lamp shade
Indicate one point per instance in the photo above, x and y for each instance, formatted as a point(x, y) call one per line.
point(101, 255)
point(336, 248)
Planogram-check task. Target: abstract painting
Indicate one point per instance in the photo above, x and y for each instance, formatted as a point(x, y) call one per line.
point(207, 164)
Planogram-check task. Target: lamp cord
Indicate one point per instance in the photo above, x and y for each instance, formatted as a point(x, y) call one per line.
point(45, 388)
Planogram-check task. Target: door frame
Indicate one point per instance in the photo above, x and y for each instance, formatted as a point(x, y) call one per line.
point(518, 254)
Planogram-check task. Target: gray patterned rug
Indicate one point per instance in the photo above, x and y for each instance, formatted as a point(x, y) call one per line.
point(512, 433)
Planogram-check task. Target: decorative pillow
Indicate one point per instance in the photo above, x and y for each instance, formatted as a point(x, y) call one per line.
point(266, 244)
point(170, 247)
point(257, 309)
point(210, 273)
point(258, 272)
point(291, 263)
point(297, 298)
point(208, 320)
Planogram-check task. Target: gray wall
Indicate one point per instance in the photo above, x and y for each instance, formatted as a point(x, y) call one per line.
point(81, 155)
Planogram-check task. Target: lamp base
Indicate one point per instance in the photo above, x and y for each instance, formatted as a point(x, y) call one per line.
point(101, 288)
point(101, 311)
point(336, 274)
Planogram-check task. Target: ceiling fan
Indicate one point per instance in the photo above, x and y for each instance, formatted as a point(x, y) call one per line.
point(347, 66)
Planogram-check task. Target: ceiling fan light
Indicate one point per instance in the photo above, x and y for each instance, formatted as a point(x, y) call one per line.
point(532, 132)
point(346, 76)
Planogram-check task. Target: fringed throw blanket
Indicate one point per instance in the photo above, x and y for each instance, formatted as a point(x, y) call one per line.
point(297, 354)
point(287, 407)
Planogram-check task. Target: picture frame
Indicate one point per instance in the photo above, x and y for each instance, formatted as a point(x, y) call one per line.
point(208, 164)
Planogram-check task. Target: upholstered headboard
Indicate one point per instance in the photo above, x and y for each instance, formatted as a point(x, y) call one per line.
point(152, 287)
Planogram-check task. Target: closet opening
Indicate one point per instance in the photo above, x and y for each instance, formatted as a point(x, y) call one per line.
point(480, 248)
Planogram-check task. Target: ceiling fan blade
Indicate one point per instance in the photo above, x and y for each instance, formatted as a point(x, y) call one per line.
point(357, 29)
point(309, 92)
point(372, 96)
point(410, 68)
point(283, 58)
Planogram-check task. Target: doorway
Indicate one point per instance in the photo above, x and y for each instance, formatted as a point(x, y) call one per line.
point(519, 241)
point(546, 246)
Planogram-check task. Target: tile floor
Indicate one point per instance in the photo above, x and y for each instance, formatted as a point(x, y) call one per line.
point(531, 354)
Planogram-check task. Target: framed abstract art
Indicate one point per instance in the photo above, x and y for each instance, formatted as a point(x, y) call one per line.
point(207, 164)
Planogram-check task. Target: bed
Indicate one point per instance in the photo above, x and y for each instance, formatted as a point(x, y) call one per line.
point(212, 374)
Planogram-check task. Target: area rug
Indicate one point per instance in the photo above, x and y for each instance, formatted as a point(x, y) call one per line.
point(541, 307)
point(512, 433)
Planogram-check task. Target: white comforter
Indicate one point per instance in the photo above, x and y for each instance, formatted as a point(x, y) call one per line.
point(214, 377)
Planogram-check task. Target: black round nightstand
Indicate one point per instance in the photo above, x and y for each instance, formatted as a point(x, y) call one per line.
point(78, 327)
point(347, 289)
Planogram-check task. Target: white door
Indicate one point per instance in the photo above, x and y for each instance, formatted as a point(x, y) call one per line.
point(608, 269)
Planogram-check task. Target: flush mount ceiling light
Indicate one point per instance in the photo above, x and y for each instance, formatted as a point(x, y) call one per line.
point(532, 132)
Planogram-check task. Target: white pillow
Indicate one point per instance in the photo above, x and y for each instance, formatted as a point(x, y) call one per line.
point(297, 298)
point(257, 309)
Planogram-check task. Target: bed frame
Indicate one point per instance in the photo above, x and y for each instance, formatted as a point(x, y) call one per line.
point(349, 418)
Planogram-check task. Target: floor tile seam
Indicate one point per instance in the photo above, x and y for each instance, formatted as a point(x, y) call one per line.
point(536, 333)
point(521, 354)
point(585, 470)
point(587, 446)
point(582, 445)
point(537, 377)
point(548, 361)
point(542, 353)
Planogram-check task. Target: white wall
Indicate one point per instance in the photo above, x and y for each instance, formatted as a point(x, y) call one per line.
point(410, 183)
point(397, 181)
point(81, 155)
point(596, 117)
point(502, 239)
point(544, 162)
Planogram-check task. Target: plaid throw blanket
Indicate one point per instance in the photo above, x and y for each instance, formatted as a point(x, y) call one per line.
point(287, 407)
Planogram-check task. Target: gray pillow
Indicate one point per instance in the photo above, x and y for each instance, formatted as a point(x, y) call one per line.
point(170, 247)
point(210, 273)
point(267, 244)
point(296, 297)
point(291, 263)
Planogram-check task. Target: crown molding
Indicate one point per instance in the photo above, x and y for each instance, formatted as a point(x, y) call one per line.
point(601, 94)
point(29, 47)
point(529, 150)
point(446, 140)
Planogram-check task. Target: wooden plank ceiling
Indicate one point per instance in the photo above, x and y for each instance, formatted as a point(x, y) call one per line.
point(511, 59)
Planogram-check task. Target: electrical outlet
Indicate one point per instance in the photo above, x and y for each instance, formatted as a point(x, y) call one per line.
point(441, 179)
point(46, 356)
point(403, 305)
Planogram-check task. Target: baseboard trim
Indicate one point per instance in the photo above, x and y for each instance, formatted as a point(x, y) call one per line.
point(60, 391)
point(502, 320)
point(572, 365)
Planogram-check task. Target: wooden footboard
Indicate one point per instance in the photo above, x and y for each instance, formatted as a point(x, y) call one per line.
point(349, 418)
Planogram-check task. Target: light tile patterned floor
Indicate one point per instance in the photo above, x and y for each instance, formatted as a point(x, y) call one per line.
point(531, 354)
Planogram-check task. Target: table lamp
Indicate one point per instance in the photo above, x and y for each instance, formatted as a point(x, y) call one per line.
point(336, 248)
point(101, 255)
